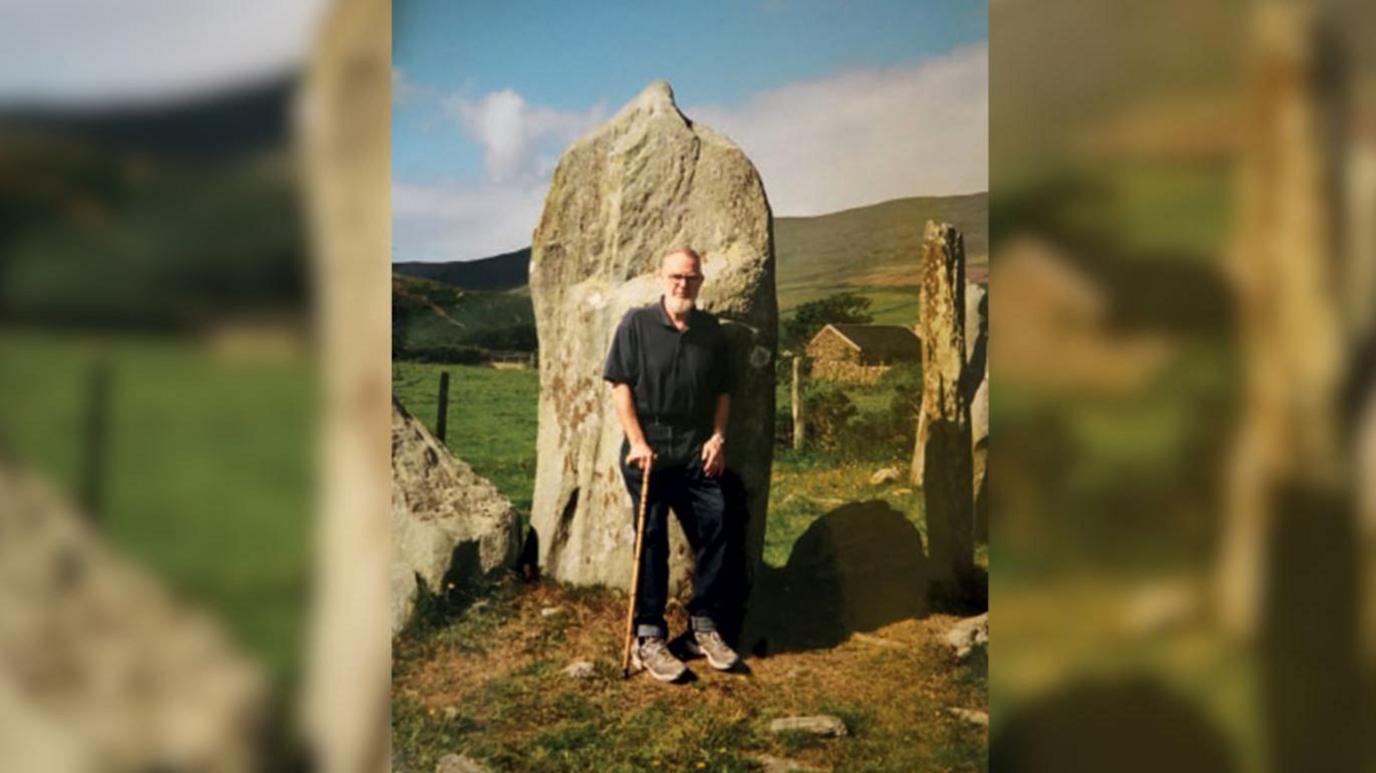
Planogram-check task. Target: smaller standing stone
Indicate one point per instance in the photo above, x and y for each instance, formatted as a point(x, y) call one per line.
point(821, 724)
point(449, 525)
point(942, 459)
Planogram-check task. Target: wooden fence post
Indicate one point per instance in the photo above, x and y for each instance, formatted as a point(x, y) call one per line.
point(799, 419)
point(442, 420)
point(97, 426)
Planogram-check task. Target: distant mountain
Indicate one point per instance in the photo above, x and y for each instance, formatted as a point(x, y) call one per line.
point(240, 120)
point(507, 271)
point(872, 250)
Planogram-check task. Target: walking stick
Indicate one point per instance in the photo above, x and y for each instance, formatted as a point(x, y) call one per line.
point(635, 572)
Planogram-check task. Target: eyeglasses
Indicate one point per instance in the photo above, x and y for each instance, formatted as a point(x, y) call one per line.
point(691, 279)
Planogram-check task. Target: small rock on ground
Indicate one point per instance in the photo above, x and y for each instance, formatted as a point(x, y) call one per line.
point(771, 764)
point(970, 715)
point(460, 763)
point(579, 669)
point(876, 640)
point(551, 611)
point(886, 475)
point(966, 634)
point(822, 724)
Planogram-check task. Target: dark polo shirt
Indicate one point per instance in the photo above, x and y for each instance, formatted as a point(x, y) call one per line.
point(675, 376)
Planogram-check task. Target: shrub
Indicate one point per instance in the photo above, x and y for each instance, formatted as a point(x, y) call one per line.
point(829, 412)
point(445, 354)
point(810, 317)
point(906, 382)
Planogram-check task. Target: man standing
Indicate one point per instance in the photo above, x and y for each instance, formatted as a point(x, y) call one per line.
point(671, 382)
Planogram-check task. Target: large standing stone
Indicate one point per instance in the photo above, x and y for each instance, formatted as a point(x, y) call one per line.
point(647, 182)
point(448, 524)
point(942, 459)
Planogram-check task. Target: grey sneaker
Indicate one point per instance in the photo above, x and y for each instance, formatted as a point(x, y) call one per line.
point(709, 643)
point(653, 655)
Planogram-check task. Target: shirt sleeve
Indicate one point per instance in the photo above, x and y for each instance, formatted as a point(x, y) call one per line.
point(623, 366)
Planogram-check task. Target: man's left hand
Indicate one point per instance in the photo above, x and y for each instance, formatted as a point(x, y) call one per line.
point(714, 456)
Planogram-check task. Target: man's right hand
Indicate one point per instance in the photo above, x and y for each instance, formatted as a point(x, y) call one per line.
point(639, 455)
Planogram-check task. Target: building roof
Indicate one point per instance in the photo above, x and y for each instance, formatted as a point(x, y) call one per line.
point(888, 342)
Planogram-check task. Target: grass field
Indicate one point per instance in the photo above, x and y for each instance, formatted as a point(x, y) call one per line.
point(208, 469)
point(492, 425)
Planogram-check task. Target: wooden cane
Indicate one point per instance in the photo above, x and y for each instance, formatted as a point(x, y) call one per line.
point(635, 571)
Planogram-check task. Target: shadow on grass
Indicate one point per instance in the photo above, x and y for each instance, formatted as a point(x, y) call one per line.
point(1132, 724)
point(857, 568)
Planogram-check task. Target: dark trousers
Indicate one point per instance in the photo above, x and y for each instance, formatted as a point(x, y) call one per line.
point(703, 510)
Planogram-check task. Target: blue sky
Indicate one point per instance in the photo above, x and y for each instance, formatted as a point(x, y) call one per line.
point(838, 103)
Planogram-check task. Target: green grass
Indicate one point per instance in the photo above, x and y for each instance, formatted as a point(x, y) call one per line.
point(807, 485)
point(208, 469)
point(491, 423)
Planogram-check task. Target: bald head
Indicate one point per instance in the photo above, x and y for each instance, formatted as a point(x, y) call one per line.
point(682, 253)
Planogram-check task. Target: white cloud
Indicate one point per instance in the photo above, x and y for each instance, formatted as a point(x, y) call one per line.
point(867, 136)
point(405, 90)
point(517, 138)
point(849, 140)
point(453, 221)
point(93, 51)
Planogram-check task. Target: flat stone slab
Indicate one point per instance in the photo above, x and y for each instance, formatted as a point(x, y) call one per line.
point(821, 724)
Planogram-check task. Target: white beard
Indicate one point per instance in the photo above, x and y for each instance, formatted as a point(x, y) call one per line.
point(679, 305)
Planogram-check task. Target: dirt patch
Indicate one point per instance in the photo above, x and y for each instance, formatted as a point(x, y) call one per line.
point(489, 684)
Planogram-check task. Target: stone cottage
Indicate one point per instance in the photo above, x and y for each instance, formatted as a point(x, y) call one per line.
point(860, 354)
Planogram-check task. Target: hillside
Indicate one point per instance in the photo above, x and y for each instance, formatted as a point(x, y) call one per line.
point(871, 250)
point(234, 122)
point(501, 272)
point(93, 234)
point(434, 320)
